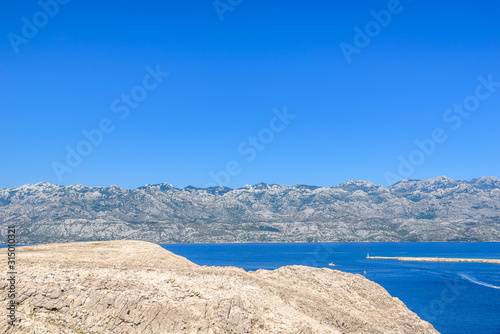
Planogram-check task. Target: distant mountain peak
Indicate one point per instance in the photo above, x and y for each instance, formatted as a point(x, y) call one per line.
point(406, 184)
point(165, 186)
point(486, 179)
point(217, 190)
point(442, 179)
point(486, 182)
point(353, 185)
point(354, 210)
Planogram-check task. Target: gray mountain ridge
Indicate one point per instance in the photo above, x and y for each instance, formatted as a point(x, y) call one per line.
point(437, 209)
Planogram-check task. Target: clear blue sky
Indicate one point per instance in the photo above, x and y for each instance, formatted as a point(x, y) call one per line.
point(353, 119)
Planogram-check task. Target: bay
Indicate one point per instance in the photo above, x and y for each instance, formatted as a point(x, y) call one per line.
point(454, 297)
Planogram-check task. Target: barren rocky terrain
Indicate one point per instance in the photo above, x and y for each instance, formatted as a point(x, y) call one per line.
point(139, 287)
point(438, 209)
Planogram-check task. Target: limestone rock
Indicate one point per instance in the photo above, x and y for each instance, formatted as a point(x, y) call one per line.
point(139, 287)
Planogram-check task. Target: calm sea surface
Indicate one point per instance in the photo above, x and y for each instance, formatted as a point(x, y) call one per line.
point(454, 297)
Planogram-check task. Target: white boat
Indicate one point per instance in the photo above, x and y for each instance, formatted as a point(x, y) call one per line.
point(331, 264)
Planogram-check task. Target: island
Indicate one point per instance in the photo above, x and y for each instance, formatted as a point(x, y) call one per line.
point(139, 287)
point(433, 259)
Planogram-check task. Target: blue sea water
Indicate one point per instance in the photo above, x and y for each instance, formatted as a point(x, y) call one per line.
point(454, 297)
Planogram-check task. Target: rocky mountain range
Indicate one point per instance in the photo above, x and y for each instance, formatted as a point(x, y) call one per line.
point(437, 209)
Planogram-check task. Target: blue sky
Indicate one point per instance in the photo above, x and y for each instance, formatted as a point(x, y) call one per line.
point(355, 117)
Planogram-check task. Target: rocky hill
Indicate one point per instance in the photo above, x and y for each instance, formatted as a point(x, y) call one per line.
point(438, 209)
point(138, 287)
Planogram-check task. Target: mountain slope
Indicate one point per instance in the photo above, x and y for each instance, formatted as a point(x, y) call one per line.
point(437, 209)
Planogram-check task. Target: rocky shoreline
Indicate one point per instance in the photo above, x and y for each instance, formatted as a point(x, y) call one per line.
point(139, 287)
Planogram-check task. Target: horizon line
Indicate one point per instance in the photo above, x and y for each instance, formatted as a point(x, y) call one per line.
point(252, 185)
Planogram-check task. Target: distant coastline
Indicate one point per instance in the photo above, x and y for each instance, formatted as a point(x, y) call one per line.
point(434, 259)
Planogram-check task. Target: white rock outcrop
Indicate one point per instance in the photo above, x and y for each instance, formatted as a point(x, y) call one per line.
point(139, 287)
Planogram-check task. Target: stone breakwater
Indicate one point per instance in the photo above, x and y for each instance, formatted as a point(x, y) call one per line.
point(139, 287)
point(434, 259)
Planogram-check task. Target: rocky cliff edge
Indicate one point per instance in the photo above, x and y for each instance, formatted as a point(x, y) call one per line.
point(139, 287)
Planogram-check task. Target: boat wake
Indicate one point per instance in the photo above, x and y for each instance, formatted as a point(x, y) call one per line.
point(475, 281)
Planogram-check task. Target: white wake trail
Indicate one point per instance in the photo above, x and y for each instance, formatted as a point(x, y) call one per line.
point(475, 281)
